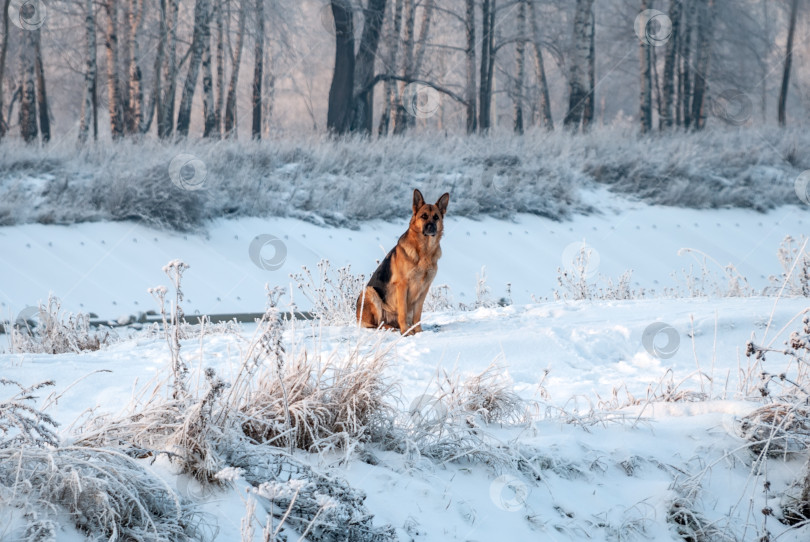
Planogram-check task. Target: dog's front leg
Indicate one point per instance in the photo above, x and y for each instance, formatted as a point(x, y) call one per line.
point(402, 308)
point(417, 312)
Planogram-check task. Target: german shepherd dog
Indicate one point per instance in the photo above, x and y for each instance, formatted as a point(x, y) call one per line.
point(396, 292)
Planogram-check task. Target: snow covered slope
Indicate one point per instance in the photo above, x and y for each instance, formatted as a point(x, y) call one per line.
point(605, 456)
point(613, 476)
point(107, 267)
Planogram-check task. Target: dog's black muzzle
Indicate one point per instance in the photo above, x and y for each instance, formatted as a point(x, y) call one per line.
point(429, 229)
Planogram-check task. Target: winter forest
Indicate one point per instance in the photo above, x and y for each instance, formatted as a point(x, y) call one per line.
point(595, 326)
point(89, 70)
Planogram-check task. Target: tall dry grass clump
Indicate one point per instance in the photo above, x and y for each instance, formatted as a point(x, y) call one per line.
point(781, 427)
point(333, 294)
point(48, 330)
point(104, 493)
point(315, 404)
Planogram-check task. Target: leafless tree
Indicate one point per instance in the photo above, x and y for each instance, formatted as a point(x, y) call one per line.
point(3, 54)
point(198, 45)
point(401, 118)
point(469, 53)
point(685, 102)
point(390, 88)
point(540, 69)
point(113, 81)
point(89, 103)
point(645, 101)
point(42, 94)
point(268, 89)
point(168, 85)
point(342, 88)
point(209, 106)
point(220, 87)
point(488, 9)
point(258, 66)
point(236, 62)
point(28, 100)
point(704, 29)
point(578, 80)
point(588, 109)
point(794, 8)
point(134, 103)
point(362, 113)
point(670, 60)
point(520, 67)
point(413, 53)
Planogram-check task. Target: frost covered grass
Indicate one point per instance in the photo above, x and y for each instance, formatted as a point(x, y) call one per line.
point(48, 330)
point(294, 395)
point(283, 398)
point(105, 493)
point(345, 181)
point(212, 430)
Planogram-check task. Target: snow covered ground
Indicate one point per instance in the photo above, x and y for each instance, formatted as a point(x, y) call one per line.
point(605, 457)
point(611, 478)
point(105, 268)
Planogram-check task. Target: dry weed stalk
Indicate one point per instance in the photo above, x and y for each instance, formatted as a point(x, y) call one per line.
point(340, 399)
point(53, 332)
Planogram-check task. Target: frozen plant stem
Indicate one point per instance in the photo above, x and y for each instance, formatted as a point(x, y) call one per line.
point(174, 270)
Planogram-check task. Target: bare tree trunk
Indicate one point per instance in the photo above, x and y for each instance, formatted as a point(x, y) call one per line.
point(667, 116)
point(124, 52)
point(469, 87)
point(487, 64)
point(390, 86)
point(645, 100)
point(220, 98)
point(28, 99)
point(209, 106)
point(794, 8)
point(414, 53)
point(424, 32)
point(90, 73)
point(169, 77)
point(578, 67)
point(155, 104)
point(258, 66)
point(705, 26)
point(199, 38)
point(230, 105)
point(363, 97)
point(113, 81)
point(686, 66)
point(135, 108)
point(764, 68)
point(42, 95)
point(15, 96)
point(3, 53)
point(268, 90)
point(588, 110)
point(520, 67)
point(540, 70)
point(341, 91)
point(656, 86)
point(402, 120)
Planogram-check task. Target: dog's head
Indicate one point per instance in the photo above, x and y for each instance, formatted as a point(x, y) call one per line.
point(428, 219)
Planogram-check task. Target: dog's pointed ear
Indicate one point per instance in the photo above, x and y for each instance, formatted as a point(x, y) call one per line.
point(418, 200)
point(442, 203)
